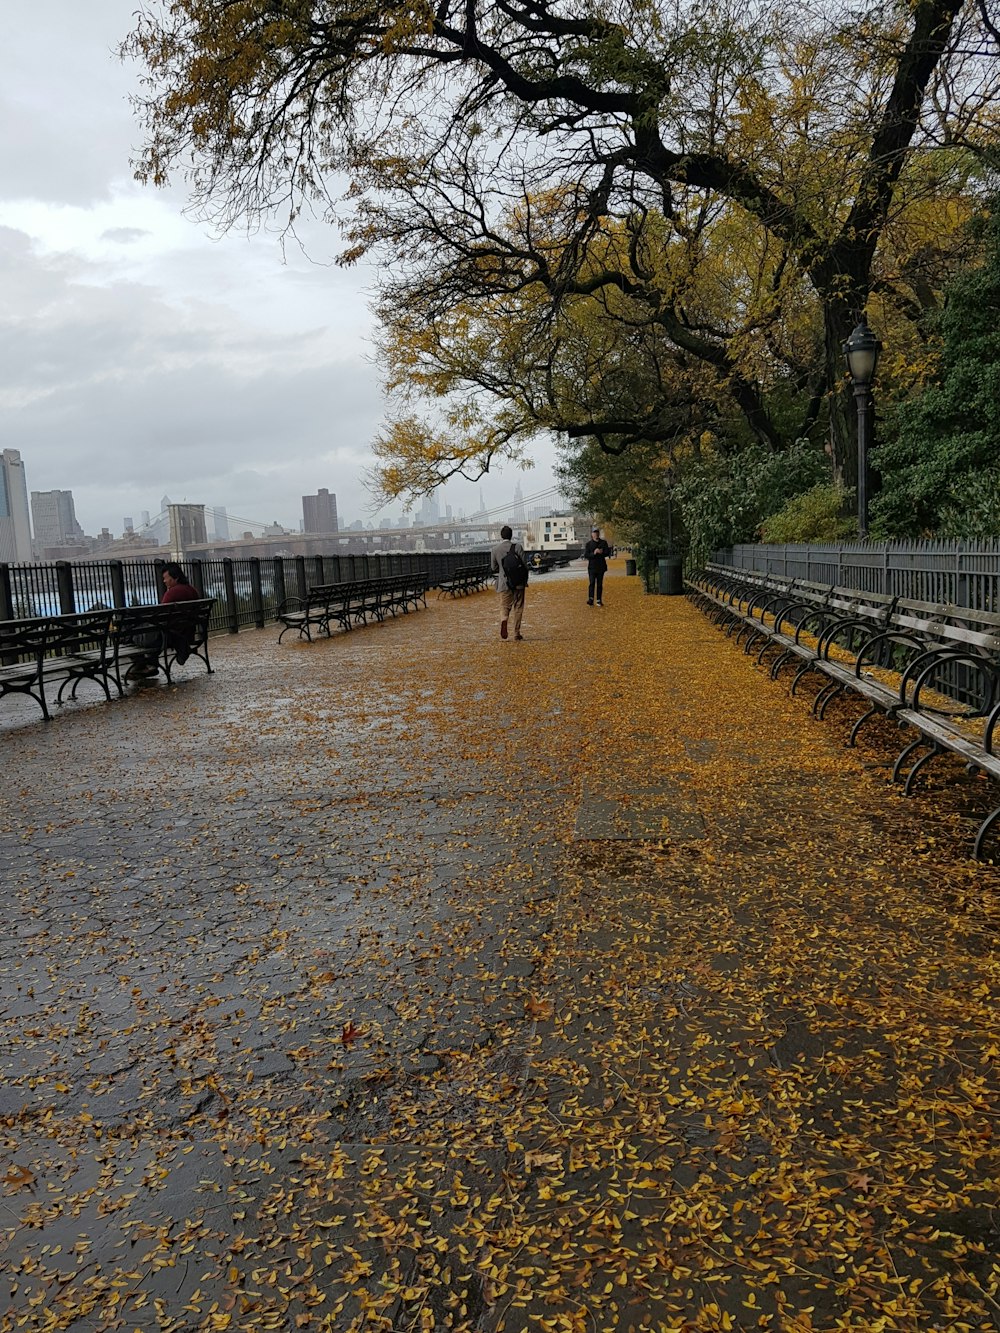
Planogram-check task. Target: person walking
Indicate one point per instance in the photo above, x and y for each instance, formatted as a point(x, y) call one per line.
point(597, 552)
point(511, 596)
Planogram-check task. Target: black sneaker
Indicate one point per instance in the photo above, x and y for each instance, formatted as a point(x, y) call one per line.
point(589, 602)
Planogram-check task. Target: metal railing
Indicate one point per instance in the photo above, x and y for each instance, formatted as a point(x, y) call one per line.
point(247, 592)
point(954, 573)
point(946, 573)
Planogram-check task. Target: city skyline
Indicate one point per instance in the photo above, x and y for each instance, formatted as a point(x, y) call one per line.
point(143, 353)
point(48, 527)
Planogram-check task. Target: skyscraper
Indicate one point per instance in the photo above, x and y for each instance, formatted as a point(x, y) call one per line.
point(53, 516)
point(319, 512)
point(15, 518)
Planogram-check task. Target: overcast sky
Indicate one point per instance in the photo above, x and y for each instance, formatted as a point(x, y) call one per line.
point(140, 354)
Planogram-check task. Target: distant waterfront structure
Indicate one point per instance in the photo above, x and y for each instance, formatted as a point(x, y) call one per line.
point(53, 517)
point(555, 532)
point(187, 528)
point(220, 523)
point(15, 517)
point(319, 511)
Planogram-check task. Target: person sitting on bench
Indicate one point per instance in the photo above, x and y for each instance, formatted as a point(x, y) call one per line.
point(176, 588)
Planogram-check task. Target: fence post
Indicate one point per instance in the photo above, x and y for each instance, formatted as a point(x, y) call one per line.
point(256, 592)
point(64, 585)
point(117, 572)
point(6, 594)
point(278, 579)
point(318, 566)
point(961, 579)
point(300, 576)
point(229, 583)
point(198, 576)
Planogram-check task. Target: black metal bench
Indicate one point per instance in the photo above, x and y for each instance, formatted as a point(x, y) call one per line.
point(352, 603)
point(40, 654)
point(932, 668)
point(168, 634)
point(466, 579)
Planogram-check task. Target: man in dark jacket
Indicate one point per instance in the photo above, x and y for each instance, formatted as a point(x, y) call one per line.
point(596, 553)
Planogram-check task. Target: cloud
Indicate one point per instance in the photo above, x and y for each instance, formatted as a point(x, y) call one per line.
point(142, 355)
point(125, 235)
point(112, 389)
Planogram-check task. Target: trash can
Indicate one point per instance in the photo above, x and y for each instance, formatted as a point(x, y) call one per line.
point(629, 566)
point(671, 576)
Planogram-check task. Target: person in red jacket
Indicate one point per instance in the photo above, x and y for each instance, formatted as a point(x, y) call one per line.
point(175, 589)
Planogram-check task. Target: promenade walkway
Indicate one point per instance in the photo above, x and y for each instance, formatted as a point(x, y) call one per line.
point(419, 981)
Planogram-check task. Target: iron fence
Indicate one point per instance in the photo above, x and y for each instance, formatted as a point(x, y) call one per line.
point(952, 573)
point(944, 573)
point(247, 592)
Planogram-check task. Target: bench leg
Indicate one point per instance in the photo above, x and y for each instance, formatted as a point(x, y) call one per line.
point(984, 828)
point(924, 759)
point(779, 662)
point(912, 748)
point(768, 643)
point(803, 670)
point(853, 738)
point(819, 709)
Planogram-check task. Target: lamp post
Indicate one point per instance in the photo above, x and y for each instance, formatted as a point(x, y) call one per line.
point(861, 350)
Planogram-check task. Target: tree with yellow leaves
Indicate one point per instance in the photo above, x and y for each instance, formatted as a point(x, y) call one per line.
point(815, 133)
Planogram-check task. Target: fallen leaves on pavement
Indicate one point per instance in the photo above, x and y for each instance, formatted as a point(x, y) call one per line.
point(698, 1034)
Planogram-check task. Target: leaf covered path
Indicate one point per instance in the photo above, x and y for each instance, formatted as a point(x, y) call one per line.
point(415, 980)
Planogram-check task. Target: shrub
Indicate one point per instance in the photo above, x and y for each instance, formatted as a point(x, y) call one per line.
point(817, 515)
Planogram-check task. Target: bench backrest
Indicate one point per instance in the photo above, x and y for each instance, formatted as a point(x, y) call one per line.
point(956, 625)
point(38, 637)
point(191, 619)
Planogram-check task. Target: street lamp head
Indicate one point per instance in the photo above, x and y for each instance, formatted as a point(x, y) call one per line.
point(862, 349)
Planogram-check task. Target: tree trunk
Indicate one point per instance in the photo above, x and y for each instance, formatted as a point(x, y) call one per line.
point(839, 318)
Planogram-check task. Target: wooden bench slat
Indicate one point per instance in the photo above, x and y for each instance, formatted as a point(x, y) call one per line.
point(918, 640)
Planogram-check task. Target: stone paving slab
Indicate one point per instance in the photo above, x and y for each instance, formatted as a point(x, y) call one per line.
point(303, 1025)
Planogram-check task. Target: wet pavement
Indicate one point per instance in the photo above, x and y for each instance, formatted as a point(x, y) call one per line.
point(416, 980)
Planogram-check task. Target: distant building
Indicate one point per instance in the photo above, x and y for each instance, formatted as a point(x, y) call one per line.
point(430, 512)
point(53, 517)
point(220, 523)
point(187, 528)
point(319, 512)
point(15, 517)
point(555, 532)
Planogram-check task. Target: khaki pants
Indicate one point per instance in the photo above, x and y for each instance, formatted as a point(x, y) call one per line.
point(512, 608)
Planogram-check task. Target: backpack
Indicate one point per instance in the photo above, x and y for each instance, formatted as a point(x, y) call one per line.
point(515, 571)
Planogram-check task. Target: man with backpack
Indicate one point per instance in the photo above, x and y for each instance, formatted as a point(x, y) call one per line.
point(509, 565)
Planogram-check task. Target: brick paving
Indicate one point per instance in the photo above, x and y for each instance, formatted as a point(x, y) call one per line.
point(702, 935)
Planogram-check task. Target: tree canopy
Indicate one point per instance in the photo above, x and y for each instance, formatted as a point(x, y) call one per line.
point(941, 461)
point(588, 208)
